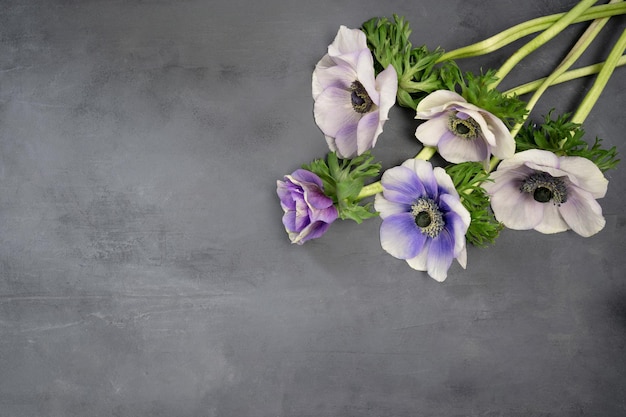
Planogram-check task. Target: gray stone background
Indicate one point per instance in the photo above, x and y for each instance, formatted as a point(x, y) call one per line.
point(144, 270)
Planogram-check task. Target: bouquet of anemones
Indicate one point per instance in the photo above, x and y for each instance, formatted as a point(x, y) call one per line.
point(501, 171)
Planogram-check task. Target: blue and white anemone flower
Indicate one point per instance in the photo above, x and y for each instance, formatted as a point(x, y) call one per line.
point(424, 221)
point(461, 131)
point(539, 190)
point(351, 103)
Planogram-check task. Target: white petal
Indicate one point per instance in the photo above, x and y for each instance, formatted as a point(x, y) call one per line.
point(515, 209)
point(435, 102)
point(505, 143)
point(419, 262)
point(366, 75)
point(588, 175)
point(431, 131)
point(387, 86)
point(582, 212)
point(552, 221)
point(386, 208)
point(457, 150)
point(333, 111)
point(347, 41)
point(445, 181)
point(339, 76)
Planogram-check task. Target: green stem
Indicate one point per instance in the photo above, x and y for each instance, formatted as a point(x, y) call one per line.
point(577, 50)
point(526, 28)
point(603, 77)
point(374, 188)
point(566, 76)
point(542, 38)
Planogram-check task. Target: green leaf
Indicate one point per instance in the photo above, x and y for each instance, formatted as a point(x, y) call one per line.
point(343, 180)
point(467, 178)
point(565, 138)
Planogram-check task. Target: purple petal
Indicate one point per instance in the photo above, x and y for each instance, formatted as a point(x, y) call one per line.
point(582, 212)
point(401, 185)
point(312, 231)
point(440, 256)
point(326, 215)
point(303, 175)
point(401, 237)
point(425, 174)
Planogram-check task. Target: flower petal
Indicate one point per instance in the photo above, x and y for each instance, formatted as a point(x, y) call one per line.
point(333, 111)
point(587, 174)
point(440, 256)
point(436, 102)
point(504, 142)
point(386, 208)
point(456, 150)
point(387, 86)
point(367, 132)
point(552, 221)
point(425, 174)
point(433, 130)
point(346, 141)
point(445, 181)
point(582, 213)
point(338, 76)
point(401, 185)
point(303, 175)
point(515, 209)
point(401, 237)
point(419, 261)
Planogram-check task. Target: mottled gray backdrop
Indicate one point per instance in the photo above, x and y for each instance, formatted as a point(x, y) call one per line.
point(144, 270)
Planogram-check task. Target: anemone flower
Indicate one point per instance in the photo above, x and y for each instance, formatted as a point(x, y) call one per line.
point(461, 131)
point(351, 103)
point(308, 212)
point(539, 190)
point(424, 221)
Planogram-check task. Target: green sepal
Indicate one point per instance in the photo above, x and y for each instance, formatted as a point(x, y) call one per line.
point(564, 138)
point(419, 73)
point(476, 90)
point(467, 178)
point(343, 180)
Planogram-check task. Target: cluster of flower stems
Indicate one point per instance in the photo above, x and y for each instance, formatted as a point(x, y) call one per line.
point(549, 27)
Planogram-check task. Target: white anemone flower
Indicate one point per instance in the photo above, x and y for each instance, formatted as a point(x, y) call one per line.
point(351, 103)
point(539, 190)
point(461, 131)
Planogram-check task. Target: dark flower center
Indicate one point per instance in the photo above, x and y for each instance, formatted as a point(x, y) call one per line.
point(361, 101)
point(544, 188)
point(464, 127)
point(427, 216)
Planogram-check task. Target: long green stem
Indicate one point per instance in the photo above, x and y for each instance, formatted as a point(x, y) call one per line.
point(577, 50)
point(566, 76)
point(542, 38)
point(603, 77)
point(527, 28)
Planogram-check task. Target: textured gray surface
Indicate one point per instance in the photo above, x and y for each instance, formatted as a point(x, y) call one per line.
point(144, 270)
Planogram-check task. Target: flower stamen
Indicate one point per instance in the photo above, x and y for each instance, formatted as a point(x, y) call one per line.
point(463, 126)
point(427, 216)
point(544, 188)
point(361, 101)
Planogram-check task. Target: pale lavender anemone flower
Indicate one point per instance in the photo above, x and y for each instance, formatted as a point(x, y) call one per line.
point(308, 211)
point(461, 131)
point(539, 190)
point(351, 104)
point(424, 221)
